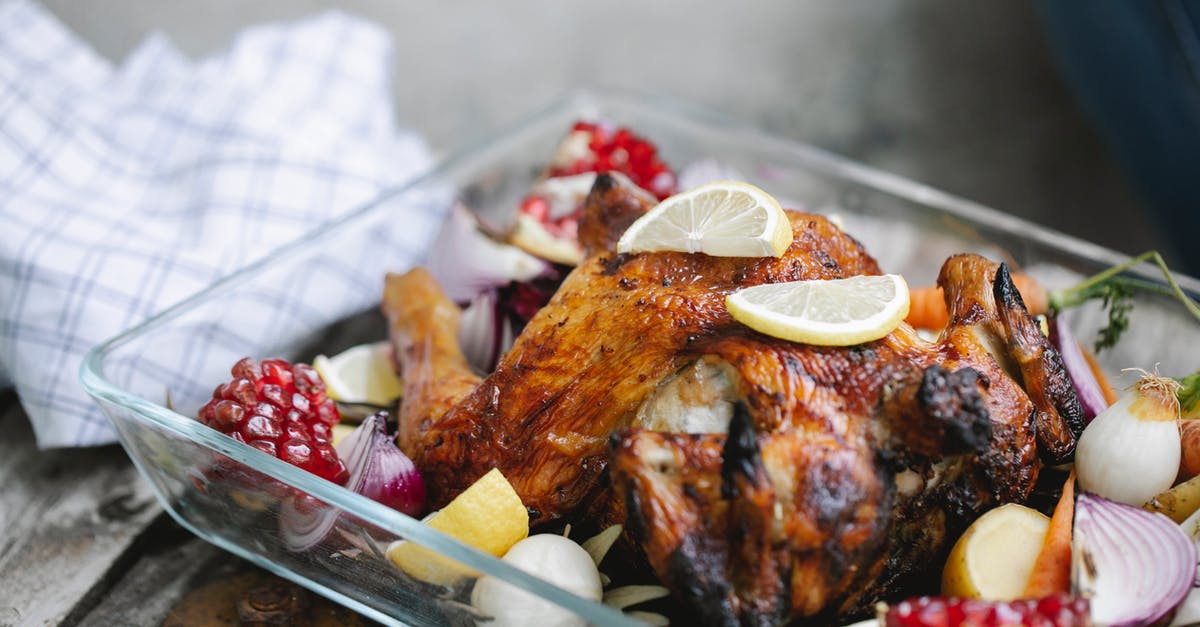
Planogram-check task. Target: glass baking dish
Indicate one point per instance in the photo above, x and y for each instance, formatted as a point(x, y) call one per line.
point(229, 493)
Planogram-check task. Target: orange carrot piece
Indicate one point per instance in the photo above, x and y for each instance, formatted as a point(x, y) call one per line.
point(1052, 570)
point(1110, 393)
point(1037, 300)
point(1189, 441)
point(927, 306)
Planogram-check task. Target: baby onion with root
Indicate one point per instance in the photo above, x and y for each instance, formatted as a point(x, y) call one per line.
point(1139, 431)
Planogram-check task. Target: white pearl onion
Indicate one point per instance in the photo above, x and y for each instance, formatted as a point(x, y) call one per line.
point(1125, 456)
point(553, 558)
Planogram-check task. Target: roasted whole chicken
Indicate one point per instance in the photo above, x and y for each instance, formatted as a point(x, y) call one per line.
point(765, 481)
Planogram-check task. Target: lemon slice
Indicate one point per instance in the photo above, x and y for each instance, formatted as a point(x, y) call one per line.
point(994, 558)
point(722, 219)
point(362, 374)
point(488, 515)
point(837, 312)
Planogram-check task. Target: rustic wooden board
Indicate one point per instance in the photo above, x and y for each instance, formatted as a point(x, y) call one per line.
point(170, 562)
point(67, 519)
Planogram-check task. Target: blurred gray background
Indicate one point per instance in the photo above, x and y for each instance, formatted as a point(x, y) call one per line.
point(963, 96)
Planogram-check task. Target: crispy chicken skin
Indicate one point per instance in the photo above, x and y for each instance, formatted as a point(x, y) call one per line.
point(841, 470)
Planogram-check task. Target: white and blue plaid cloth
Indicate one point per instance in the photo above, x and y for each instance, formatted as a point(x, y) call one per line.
point(124, 189)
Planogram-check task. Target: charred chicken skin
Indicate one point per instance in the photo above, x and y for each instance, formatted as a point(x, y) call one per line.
point(765, 481)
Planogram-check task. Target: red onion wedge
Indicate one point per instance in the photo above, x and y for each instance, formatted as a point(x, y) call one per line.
point(493, 319)
point(465, 261)
point(484, 331)
point(1091, 397)
point(378, 471)
point(1135, 566)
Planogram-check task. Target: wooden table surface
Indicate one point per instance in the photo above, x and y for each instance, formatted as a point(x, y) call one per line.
point(83, 542)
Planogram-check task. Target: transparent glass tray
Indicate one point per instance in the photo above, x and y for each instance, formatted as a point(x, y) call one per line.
point(229, 493)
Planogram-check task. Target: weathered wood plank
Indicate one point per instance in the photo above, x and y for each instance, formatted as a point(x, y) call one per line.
point(179, 580)
point(161, 576)
point(66, 519)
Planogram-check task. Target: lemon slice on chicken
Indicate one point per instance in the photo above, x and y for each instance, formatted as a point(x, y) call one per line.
point(836, 312)
point(722, 219)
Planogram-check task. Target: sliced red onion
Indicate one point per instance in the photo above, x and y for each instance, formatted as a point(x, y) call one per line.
point(1134, 565)
point(466, 262)
point(378, 471)
point(484, 332)
point(491, 321)
point(1091, 397)
point(304, 522)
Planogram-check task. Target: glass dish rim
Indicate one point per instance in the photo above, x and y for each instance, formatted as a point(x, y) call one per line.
point(818, 160)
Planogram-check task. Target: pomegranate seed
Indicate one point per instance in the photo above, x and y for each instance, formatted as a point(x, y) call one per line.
point(300, 403)
point(274, 395)
point(279, 370)
point(265, 446)
point(327, 413)
point(297, 452)
point(321, 432)
point(246, 368)
point(242, 391)
point(260, 427)
point(228, 413)
point(267, 410)
point(296, 430)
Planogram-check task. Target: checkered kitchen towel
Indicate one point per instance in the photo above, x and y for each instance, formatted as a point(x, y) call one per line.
point(123, 190)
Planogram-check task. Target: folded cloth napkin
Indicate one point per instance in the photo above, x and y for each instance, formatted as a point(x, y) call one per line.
point(123, 190)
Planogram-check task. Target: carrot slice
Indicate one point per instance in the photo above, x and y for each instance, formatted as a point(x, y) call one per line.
point(1052, 570)
point(1037, 300)
point(927, 308)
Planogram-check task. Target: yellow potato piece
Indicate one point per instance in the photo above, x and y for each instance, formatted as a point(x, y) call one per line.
point(994, 558)
point(488, 515)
